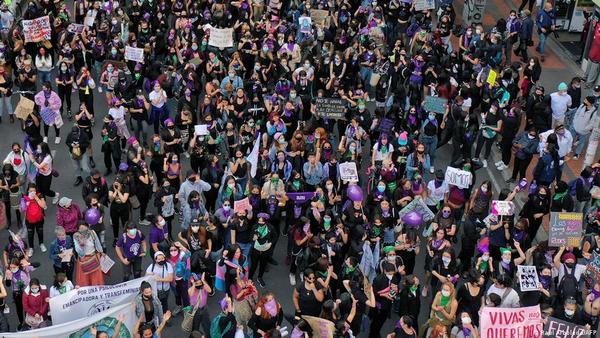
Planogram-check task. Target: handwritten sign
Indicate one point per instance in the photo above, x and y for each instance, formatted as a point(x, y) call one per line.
point(330, 108)
point(24, 108)
point(75, 28)
point(348, 171)
point(321, 328)
point(565, 229)
point(491, 78)
point(528, 277)
point(320, 17)
point(423, 5)
point(201, 129)
point(37, 30)
point(594, 266)
point(420, 207)
point(503, 208)
point(556, 328)
point(473, 12)
point(221, 37)
point(89, 21)
point(242, 205)
point(497, 322)
point(459, 178)
point(435, 104)
point(134, 54)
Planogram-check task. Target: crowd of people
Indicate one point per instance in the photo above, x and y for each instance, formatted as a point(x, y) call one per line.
point(206, 151)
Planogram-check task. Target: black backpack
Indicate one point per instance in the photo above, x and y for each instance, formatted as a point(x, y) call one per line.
point(568, 287)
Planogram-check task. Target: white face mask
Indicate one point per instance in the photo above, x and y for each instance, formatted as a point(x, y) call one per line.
point(485, 258)
point(569, 312)
point(506, 261)
point(466, 320)
point(389, 277)
point(162, 223)
point(445, 293)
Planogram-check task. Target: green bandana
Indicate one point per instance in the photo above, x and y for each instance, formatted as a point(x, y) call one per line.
point(327, 224)
point(413, 288)
point(296, 184)
point(228, 192)
point(444, 301)
point(505, 250)
point(348, 270)
point(262, 230)
point(483, 266)
point(388, 249)
point(559, 196)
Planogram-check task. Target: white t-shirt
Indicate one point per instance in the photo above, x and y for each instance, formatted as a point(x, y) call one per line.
point(117, 113)
point(435, 195)
point(560, 104)
point(161, 271)
point(560, 272)
point(511, 300)
point(56, 292)
point(381, 155)
point(157, 96)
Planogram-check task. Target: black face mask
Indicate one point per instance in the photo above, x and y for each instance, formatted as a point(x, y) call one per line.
point(147, 297)
point(161, 262)
point(198, 287)
point(570, 265)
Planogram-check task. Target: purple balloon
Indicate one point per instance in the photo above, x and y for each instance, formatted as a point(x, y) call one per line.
point(355, 193)
point(92, 216)
point(413, 219)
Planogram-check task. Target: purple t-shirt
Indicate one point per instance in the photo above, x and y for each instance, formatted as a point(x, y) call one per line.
point(157, 235)
point(131, 247)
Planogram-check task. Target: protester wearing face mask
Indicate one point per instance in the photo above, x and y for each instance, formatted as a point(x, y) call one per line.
point(385, 287)
point(61, 285)
point(509, 298)
point(443, 308)
point(108, 79)
point(267, 316)
point(466, 328)
point(49, 105)
point(198, 292)
point(506, 265)
point(560, 102)
point(148, 307)
point(569, 275)
point(570, 313)
point(163, 274)
point(524, 145)
point(35, 305)
point(131, 248)
point(10, 193)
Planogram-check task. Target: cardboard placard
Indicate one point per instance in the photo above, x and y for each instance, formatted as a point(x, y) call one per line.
point(331, 108)
point(134, 54)
point(24, 108)
point(503, 208)
point(420, 207)
point(423, 5)
point(37, 30)
point(528, 277)
point(201, 129)
point(491, 78)
point(556, 328)
point(320, 17)
point(565, 229)
point(497, 322)
point(594, 266)
point(348, 171)
point(435, 104)
point(321, 328)
point(473, 12)
point(459, 178)
point(75, 28)
point(221, 37)
point(242, 205)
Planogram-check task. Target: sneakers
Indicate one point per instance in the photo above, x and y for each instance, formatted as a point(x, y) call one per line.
point(57, 140)
point(30, 252)
point(55, 198)
point(43, 248)
point(78, 181)
point(292, 279)
point(45, 140)
point(432, 170)
point(186, 154)
point(498, 163)
point(475, 159)
point(484, 163)
point(501, 166)
point(261, 282)
point(144, 222)
point(99, 89)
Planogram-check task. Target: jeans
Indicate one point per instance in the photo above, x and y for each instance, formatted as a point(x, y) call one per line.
point(134, 267)
point(45, 76)
point(542, 44)
point(581, 139)
point(245, 247)
point(430, 143)
point(158, 116)
point(488, 145)
point(82, 165)
point(365, 75)
point(5, 101)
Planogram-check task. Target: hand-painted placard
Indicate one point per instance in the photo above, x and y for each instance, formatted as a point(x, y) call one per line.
point(221, 37)
point(420, 207)
point(565, 229)
point(134, 54)
point(37, 30)
point(242, 205)
point(386, 125)
point(503, 208)
point(528, 277)
point(497, 322)
point(459, 178)
point(556, 328)
point(435, 104)
point(594, 266)
point(348, 171)
point(330, 108)
point(423, 5)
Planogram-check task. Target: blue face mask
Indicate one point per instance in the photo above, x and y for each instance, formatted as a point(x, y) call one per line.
point(380, 188)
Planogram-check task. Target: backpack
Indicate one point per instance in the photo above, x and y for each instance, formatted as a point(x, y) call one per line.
point(215, 328)
point(34, 213)
point(569, 286)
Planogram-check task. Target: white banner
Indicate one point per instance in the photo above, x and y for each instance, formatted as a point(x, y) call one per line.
point(134, 54)
point(459, 178)
point(105, 321)
point(221, 37)
point(89, 300)
point(37, 30)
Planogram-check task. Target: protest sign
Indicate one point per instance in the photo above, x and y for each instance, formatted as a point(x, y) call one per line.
point(89, 300)
point(75, 28)
point(565, 229)
point(386, 125)
point(321, 328)
point(423, 5)
point(134, 54)
point(300, 197)
point(330, 108)
point(106, 263)
point(473, 11)
point(201, 129)
point(105, 321)
point(497, 322)
point(435, 104)
point(594, 266)
point(418, 206)
point(241, 205)
point(459, 178)
point(528, 277)
point(24, 108)
point(491, 78)
point(221, 37)
point(556, 328)
point(503, 208)
point(89, 21)
point(305, 24)
point(37, 30)
point(348, 171)
point(320, 17)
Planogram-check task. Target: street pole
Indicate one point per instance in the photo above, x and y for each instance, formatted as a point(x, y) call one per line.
point(592, 148)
